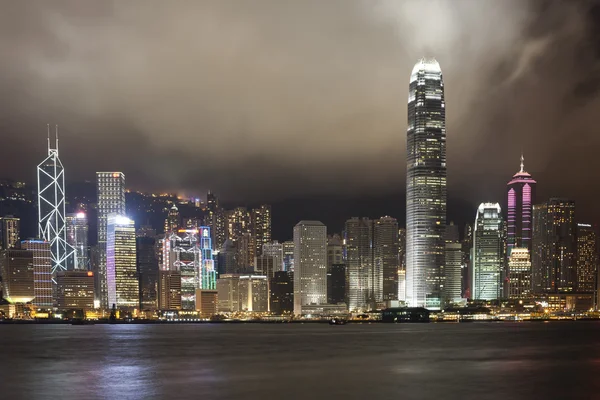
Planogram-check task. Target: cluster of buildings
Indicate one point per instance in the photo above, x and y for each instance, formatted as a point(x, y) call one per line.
point(225, 261)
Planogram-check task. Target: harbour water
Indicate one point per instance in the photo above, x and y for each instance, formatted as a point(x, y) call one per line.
point(553, 360)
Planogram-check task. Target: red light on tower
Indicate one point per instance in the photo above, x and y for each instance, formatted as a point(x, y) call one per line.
point(90, 273)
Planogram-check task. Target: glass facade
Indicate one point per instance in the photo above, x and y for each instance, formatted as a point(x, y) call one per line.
point(488, 253)
point(425, 186)
point(310, 265)
point(121, 262)
point(519, 212)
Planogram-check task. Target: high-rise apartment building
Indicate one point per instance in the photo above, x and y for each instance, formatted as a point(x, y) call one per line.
point(121, 269)
point(10, 231)
point(587, 258)
point(42, 272)
point(519, 213)
point(425, 185)
point(360, 264)
point(51, 207)
point(554, 254)
point(453, 265)
point(488, 253)
point(261, 227)
point(110, 188)
point(77, 238)
point(310, 265)
point(519, 273)
point(17, 271)
point(386, 262)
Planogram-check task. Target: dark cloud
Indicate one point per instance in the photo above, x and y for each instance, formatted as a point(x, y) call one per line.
point(264, 100)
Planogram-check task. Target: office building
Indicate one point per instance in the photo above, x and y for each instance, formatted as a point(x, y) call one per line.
point(228, 258)
point(51, 207)
point(359, 264)
point(42, 272)
point(169, 290)
point(587, 258)
point(467, 245)
point(425, 185)
point(253, 293)
point(182, 253)
point(147, 264)
point(281, 289)
point(75, 290)
point(17, 271)
point(453, 265)
point(310, 265)
point(10, 230)
point(336, 283)
point(265, 265)
point(261, 227)
point(274, 249)
point(121, 258)
point(521, 198)
point(206, 302)
point(386, 263)
point(228, 293)
point(488, 253)
point(209, 271)
point(288, 256)
point(554, 255)
point(77, 238)
point(335, 250)
point(173, 220)
point(519, 273)
point(110, 187)
point(215, 219)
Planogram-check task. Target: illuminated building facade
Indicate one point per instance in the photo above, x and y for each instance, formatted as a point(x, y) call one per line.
point(121, 258)
point(288, 255)
point(385, 276)
point(209, 272)
point(261, 227)
point(10, 230)
point(519, 213)
point(206, 302)
point(488, 253)
point(253, 293)
point(453, 265)
point(75, 290)
point(335, 250)
point(310, 265)
point(172, 222)
point(360, 264)
point(227, 293)
point(110, 188)
point(216, 220)
point(17, 271)
point(425, 185)
point(51, 207)
point(587, 258)
point(77, 237)
point(182, 253)
point(275, 250)
point(42, 272)
point(554, 255)
point(519, 273)
point(169, 290)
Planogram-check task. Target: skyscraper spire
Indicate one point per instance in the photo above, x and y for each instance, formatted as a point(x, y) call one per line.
point(56, 133)
point(48, 126)
point(522, 163)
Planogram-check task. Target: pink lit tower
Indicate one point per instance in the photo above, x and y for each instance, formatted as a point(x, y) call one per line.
point(521, 198)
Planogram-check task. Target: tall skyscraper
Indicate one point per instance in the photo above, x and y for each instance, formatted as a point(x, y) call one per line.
point(17, 271)
point(121, 269)
point(282, 293)
point(336, 283)
point(288, 255)
point(453, 265)
point(425, 185)
point(147, 264)
point(467, 265)
point(10, 232)
point(488, 251)
point(521, 198)
point(261, 227)
point(209, 272)
point(274, 249)
point(386, 262)
point(42, 272)
point(519, 273)
point(587, 258)
point(51, 207)
point(310, 265)
point(360, 264)
point(111, 199)
point(554, 256)
point(173, 220)
point(335, 250)
point(77, 237)
point(181, 252)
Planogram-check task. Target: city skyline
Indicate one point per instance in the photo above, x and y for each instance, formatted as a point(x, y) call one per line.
point(519, 79)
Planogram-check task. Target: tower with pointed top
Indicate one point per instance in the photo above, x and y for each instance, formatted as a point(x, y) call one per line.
point(520, 201)
point(425, 186)
point(51, 207)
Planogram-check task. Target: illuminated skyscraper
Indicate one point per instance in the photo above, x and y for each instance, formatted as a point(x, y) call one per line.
point(111, 199)
point(42, 272)
point(209, 273)
point(121, 269)
point(75, 290)
point(274, 249)
point(77, 237)
point(386, 263)
point(253, 293)
point(181, 252)
point(519, 273)
point(9, 232)
point(261, 227)
point(310, 265)
point(521, 198)
point(453, 265)
point(51, 207)
point(554, 255)
point(172, 222)
point(587, 258)
point(17, 271)
point(425, 185)
point(288, 256)
point(360, 264)
point(488, 251)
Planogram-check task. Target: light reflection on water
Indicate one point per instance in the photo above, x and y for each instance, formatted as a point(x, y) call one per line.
point(445, 361)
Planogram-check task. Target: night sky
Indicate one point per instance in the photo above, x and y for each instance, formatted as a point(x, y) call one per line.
point(303, 103)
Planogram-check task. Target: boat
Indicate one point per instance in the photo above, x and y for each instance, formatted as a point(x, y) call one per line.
point(337, 321)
